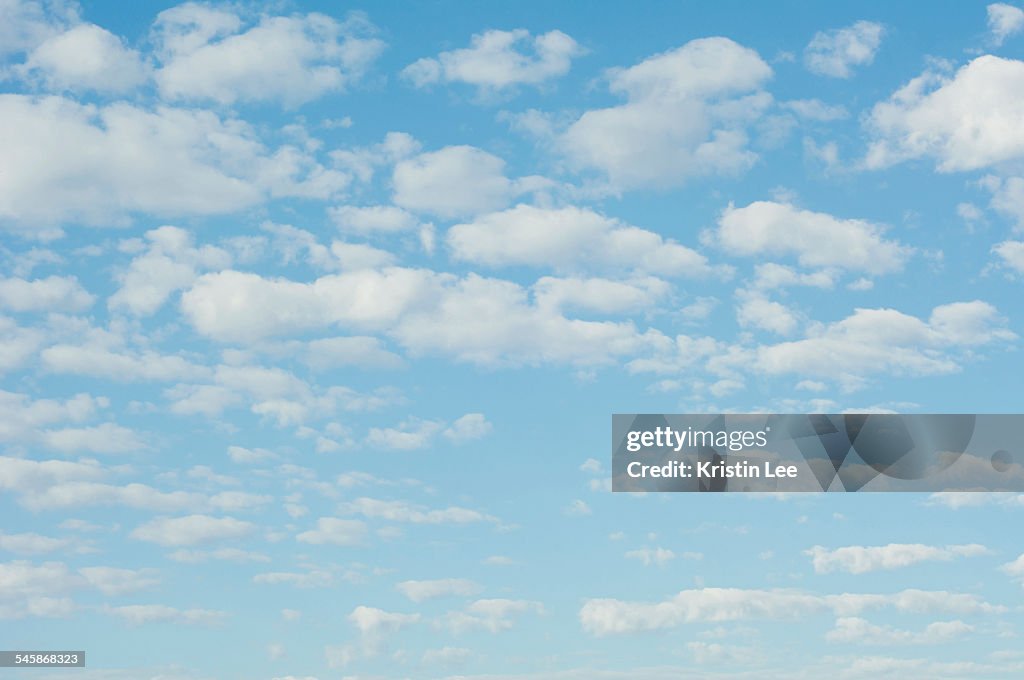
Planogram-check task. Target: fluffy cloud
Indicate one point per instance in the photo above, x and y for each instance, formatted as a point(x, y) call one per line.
point(333, 531)
point(1004, 20)
point(834, 53)
point(855, 630)
point(24, 24)
point(816, 239)
point(421, 591)
point(453, 182)
point(879, 340)
point(468, 427)
point(569, 238)
point(190, 530)
point(492, 615)
point(141, 614)
point(648, 556)
point(206, 56)
point(968, 121)
point(604, 296)
point(856, 559)
point(376, 218)
point(401, 511)
point(685, 116)
point(495, 61)
point(475, 319)
point(169, 263)
point(85, 57)
point(609, 616)
point(1012, 254)
point(54, 293)
point(207, 165)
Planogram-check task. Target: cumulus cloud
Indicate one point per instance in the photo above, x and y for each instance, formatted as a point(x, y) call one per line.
point(141, 614)
point(491, 615)
point(1003, 21)
point(474, 319)
point(963, 122)
point(334, 531)
point(685, 116)
point(571, 238)
point(610, 616)
point(855, 630)
point(421, 591)
point(191, 530)
point(402, 511)
point(86, 57)
point(497, 60)
point(54, 293)
point(817, 240)
point(170, 262)
point(206, 55)
point(836, 52)
point(208, 165)
point(1012, 255)
point(468, 428)
point(453, 182)
point(856, 559)
point(879, 340)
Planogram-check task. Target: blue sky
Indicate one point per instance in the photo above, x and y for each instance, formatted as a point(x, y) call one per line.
point(313, 319)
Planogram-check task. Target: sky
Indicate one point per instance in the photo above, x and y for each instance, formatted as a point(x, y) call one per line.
point(314, 317)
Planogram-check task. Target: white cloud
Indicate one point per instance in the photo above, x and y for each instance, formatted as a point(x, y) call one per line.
point(24, 24)
point(223, 554)
point(207, 165)
point(191, 530)
point(967, 122)
point(413, 433)
point(311, 579)
point(578, 508)
point(240, 454)
point(604, 296)
point(115, 581)
point(54, 293)
point(447, 656)
point(756, 311)
point(333, 531)
point(356, 351)
point(648, 556)
point(289, 59)
point(1008, 198)
point(401, 511)
point(486, 321)
point(856, 559)
point(815, 109)
point(609, 616)
point(141, 614)
point(570, 237)
point(372, 219)
point(103, 438)
point(453, 182)
point(468, 427)
point(421, 591)
point(170, 263)
point(879, 340)
point(1004, 20)
point(1015, 568)
point(492, 615)
point(33, 544)
point(859, 631)
point(85, 57)
point(685, 116)
point(116, 363)
point(834, 53)
point(1012, 254)
point(816, 239)
point(495, 61)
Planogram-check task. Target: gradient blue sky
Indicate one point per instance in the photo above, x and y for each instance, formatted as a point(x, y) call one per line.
point(312, 319)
